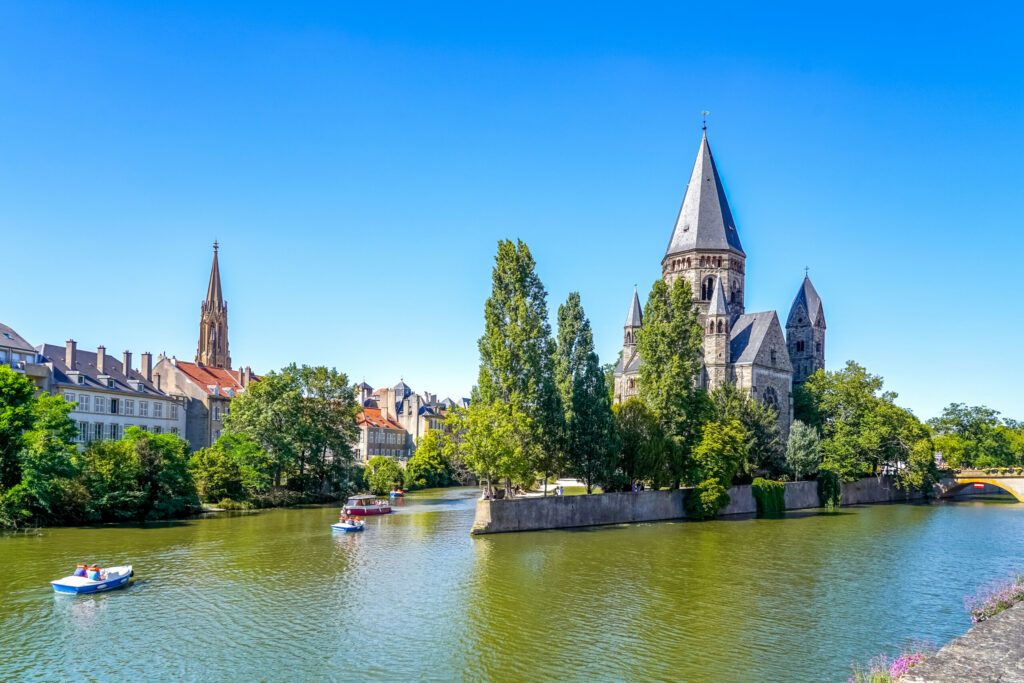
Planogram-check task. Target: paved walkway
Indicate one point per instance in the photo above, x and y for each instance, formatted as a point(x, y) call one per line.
point(991, 651)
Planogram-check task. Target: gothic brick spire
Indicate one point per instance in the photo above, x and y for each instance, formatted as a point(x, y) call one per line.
point(213, 322)
point(704, 221)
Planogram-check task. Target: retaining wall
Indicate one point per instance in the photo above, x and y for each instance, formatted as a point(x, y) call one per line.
point(563, 512)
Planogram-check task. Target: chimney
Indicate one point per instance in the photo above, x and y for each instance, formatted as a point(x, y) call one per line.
point(101, 359)
point(70, 348)
point(158, 382)
point(246, 375)
point(146, 366)
point(126, 364)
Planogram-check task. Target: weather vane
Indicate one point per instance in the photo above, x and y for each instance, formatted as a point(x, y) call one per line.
point(807, 269)
point(704, 119)
point(216, 246)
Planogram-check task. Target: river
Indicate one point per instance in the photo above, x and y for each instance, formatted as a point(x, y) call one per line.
point(277, 596)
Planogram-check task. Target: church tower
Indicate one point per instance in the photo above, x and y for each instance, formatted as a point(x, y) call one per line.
point(705, 246)
point(213, 323)
point(716, 338)
point(805, 332)
point(634, 321)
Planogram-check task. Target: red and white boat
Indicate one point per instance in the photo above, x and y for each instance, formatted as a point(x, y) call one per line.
point(363, 506)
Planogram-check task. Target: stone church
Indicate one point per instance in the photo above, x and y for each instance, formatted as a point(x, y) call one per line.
point(748, 350)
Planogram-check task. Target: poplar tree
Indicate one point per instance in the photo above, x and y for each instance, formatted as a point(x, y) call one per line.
point(670, 346)
point(584, 396)
point(517, 353)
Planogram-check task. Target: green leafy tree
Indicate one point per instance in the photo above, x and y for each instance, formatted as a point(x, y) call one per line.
point(766, 456)
point(643, 446)
point(517, 355)
point(492, 439)
point(584, 397)
point(16, 417)
point(670, 345)
point(382, 474)
point(803, 450)
point(718, 456)
point(974, 436)
point(429, 467)
point(234, 467)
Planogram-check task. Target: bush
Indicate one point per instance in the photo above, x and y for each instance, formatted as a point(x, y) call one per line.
point(428, 467)
point(770, 496)
point(382, 474)
point(996, 598)
point(829, 489)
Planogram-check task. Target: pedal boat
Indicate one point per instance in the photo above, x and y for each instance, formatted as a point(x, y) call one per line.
point(348, 527)
point(112, 577)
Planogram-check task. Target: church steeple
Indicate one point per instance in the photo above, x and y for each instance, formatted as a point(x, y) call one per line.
point(213, 322)
point(805, 332)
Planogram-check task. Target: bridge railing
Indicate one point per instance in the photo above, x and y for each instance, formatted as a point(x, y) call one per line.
point(990, 472)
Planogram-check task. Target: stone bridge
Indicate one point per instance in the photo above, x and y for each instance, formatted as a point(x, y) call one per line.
point(1007, 481)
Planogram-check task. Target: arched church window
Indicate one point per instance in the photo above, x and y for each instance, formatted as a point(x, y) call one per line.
point(711, 327)
point(707, 288)
point(721, 326)
point(719, 261)
point(689, 263)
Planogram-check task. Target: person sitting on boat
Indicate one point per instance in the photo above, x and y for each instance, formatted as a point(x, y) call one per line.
point(94, 573)
point(80, 570)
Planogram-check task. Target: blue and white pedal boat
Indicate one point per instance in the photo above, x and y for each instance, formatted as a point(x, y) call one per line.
point(113, 577)
point(348, 527)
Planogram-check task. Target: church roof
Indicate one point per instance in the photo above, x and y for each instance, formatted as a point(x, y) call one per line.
point(808, 296)
point(635, 317)
point(213, 290)
point(717, 305)
point(749, 335)
point(704, 221)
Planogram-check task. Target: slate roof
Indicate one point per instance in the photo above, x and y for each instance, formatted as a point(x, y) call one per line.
point(635, 317)
point(214, 381)
point(717, 305)
point(808, 296)
point(12, 340)
point(85, 363)
point(749, 333)
point(628, 365)
point(705, 220)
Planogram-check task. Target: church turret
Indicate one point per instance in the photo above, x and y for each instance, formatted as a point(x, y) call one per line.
point(213, 322)
point(705, 245)
point(625, 374)
point(634, 321)
point(805, 332)
point(716, 337)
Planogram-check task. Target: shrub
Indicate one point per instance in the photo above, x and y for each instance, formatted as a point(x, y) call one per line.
point(995, 598)
point(382, 473)
point(770, 496)
point(829, 489)
point(881, 669)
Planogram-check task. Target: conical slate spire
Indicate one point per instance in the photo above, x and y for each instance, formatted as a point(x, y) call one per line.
point(808, 296)
point(635, 316)
point(704, 221)
point(213, 292)
point(717, 305)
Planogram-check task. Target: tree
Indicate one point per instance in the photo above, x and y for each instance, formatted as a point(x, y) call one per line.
point(382, 474)
point(584, 397)
point(803, 450)
point(766, 455)
point(16, 417)
point(643, 446)
point(670, 346)
point(493, 440)
point(234, 467)
point(429, 467)
point(717, 458)
point(974, 436)
point(517, 354)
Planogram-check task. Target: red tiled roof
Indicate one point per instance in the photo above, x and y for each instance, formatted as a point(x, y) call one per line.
point(374, 418)
point(205, 377)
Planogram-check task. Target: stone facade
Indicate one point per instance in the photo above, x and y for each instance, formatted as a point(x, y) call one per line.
point(748, 350)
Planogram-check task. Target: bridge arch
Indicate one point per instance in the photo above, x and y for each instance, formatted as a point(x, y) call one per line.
point(1014, 486)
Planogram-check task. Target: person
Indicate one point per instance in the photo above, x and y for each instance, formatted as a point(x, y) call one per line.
point(80, 570)
point(94, 572)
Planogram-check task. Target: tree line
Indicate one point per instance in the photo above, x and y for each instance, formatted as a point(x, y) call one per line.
point(542, 407)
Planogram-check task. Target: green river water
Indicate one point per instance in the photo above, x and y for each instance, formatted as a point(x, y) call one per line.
point(277, 596)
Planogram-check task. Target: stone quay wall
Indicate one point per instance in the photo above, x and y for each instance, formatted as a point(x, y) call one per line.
point(565, 512)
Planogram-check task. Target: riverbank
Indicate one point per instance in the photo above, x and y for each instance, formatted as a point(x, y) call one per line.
point(563, 512)
point(990, 651)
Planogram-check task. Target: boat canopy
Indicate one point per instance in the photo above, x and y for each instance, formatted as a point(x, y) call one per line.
point(361, 498)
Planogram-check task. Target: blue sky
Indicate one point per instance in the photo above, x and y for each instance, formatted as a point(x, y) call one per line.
point(359, 161)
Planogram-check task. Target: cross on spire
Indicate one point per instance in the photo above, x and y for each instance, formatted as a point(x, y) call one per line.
point(704, 120)
point(216, 245)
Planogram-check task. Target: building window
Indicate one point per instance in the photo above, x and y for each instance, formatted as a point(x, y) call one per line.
point(129, 406)
point(799, 347)
point(83, 432)
point(83, 403)
point(101, 404)
point(158, 409)
point(97, 431)
point(817, 347)
point(707, 288)
point(216, 412)
point(174, 411)
point(113, 406)
point(143, 408)
point(69, 397)
point(174, 430)
point(773, 356)
point(113, 431)
point(157, 429)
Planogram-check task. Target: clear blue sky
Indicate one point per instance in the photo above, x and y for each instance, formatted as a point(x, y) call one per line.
point(359, 161)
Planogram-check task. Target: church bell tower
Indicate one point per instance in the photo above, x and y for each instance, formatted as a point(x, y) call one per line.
point(213, 323)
